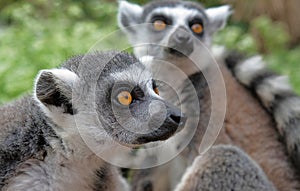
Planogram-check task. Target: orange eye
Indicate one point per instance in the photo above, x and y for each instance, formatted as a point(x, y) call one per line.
point(197, 28)
point(159, 25)
point(156, 90)
point(125, 98)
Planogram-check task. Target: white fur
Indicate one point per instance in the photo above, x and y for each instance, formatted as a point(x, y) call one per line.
point(130, 7)
point(249, 68)
point(219, 14)
point(146, 59)
point(65, 75)
point(126, 7)
point(218, 51)
point(272, 86)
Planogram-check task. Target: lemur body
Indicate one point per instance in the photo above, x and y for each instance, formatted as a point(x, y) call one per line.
point(247, 124)
point(34, 157)
point(43, 139)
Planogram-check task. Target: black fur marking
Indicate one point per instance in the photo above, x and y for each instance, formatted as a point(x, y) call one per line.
point(279, 98)
point(125, 172)
point(137, 93)
point(291, 130)
point(147, 185)
point(102, 176)
point(199, 82)
point(48, 92)
point(161, 17)
point(141, 176)
point(260, 77)
point(233, 59)
point(125, 21)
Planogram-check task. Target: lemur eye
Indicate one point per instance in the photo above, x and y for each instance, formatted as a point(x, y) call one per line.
point(125, 98)
point(159, 25)
point(155, 88)
point(197, 28)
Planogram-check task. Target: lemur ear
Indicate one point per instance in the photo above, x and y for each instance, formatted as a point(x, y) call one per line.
point(218, 17)
point(129, 14)
point(54, 88)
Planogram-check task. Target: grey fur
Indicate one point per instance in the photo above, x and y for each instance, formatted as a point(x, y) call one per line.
point(220, 168)
point(42, 138)
point(130, 16)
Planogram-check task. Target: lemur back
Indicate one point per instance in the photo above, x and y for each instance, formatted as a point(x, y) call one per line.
point(247, 123)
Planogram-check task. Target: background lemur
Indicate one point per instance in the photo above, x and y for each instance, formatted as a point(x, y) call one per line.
point(43, 139)
point(247, 124)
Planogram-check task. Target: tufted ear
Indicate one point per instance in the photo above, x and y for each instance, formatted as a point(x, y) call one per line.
point(129, 14)
point(218, 17)
point(54, 88)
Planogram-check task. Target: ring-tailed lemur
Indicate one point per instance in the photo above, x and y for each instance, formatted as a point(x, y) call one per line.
point(179, 30)
point(43, 138)
point(41, 145)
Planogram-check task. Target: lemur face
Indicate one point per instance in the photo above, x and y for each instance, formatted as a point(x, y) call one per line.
point(174, 28)
point(108, 95)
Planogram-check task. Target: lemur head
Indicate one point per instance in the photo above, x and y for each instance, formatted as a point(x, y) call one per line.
point(108, 95)
point(173, 29)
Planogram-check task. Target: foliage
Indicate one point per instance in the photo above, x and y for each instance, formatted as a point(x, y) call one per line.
point(236, 37)
point(39, 34)
point(35, 41)
point(273, 37)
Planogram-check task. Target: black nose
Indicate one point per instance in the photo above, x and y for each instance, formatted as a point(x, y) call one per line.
point(175, 118)
point(180, 43)
point(182, 37)
point(173, 122)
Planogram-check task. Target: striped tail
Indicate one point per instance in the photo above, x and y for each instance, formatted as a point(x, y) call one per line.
point(275, 94)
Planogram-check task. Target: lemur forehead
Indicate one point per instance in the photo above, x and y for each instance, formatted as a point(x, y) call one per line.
point(170, 6)
point(180, 13)
point(133, 74)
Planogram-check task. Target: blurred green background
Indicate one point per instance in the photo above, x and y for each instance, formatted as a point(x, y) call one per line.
point(39, 34)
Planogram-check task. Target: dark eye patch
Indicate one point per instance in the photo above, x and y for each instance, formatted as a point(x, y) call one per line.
point(137, 93)
point(161, 17)
point(195, 21)
point(154, 84)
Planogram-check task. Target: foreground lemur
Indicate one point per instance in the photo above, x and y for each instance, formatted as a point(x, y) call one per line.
point(180, 31)
point(43, 138)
